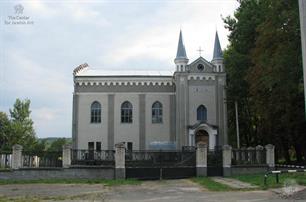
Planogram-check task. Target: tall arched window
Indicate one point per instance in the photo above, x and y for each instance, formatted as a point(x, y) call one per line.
point(126, 112)
point(202, 113)
point(157, 112)
point(95, 112)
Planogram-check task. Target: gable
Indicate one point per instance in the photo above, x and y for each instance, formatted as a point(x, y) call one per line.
point(201, 65)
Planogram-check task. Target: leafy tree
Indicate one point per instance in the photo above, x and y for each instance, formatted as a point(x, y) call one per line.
point(4, 129)
point(237, 62)
point(21, 125)
point(276, 77)
point(264, 68)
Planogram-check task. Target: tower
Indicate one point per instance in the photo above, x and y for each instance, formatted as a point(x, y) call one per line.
point(218, 55)
point(181, 84)
point(181, 59)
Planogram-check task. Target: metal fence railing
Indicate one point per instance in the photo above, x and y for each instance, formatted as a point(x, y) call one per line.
point(157, 158)
point(5, 159)
point(41, 159)
point(93, 157)
point(249, 156)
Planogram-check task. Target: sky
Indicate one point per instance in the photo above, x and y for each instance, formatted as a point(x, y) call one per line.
point(37, 58)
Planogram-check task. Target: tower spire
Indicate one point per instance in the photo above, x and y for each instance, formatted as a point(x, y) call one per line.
point(181, 59)
point(218, 55)
point(181, 52)
point(217, 48)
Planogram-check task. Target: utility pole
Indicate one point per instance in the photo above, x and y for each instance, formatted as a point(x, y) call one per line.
point(237, 125)
point(302, 9)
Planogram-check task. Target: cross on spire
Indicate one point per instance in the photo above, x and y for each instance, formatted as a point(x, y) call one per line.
point(200, 50)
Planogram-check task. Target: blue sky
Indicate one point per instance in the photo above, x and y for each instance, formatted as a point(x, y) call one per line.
point(37, 60)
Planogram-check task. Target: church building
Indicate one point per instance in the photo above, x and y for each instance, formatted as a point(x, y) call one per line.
point(152, 109)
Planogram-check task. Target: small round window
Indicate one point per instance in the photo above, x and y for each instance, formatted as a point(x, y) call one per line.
point(200, 67)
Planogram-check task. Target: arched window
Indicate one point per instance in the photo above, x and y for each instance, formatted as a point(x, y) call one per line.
point(157, 112)
point(95, 112)
point(202, 113)
point(126, 112)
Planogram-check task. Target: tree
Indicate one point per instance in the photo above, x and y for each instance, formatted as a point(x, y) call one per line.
point(263, 64)
point(21, 125)
point(237, 62)
point(4, 129)
point(276, 76)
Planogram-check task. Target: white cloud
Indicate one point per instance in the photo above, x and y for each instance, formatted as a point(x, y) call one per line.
point(51, 122)
point(158, 41)
point(30, 75)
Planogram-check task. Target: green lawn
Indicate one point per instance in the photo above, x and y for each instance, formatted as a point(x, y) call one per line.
point(19, 199)
point(73, 181)
point(258, 179)
point(211, 185)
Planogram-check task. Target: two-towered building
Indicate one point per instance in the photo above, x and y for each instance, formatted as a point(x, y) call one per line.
point(152, 109)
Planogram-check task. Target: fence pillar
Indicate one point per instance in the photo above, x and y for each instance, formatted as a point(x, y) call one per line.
point(66, 160)
point(17, 156)
point(201, 160)
point(227, 160)
point(36, 161)
point(120, 161)
point(259, 155)
point(270, 159)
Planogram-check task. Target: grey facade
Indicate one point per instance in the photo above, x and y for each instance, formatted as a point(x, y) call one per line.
point(191, 105)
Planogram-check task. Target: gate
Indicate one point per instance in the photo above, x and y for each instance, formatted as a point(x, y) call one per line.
point(160, 164)
point(215, 162)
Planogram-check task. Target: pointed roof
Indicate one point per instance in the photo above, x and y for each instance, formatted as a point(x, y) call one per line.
point(217, 48)
point(181, 52)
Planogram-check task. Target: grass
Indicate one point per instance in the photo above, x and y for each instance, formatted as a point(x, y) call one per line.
point(255, 179)
point(258, 179)
point(211, 185)
point(19, 199)
point(5, 169)
point(63, 181)
point(73, 181)
point(87, 196)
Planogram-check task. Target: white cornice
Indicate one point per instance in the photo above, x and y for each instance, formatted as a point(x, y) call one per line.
point(123, 81)
point(120, 93)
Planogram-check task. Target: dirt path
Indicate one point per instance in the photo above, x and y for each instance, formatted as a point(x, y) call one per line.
point(150, 191)
point(182, 190)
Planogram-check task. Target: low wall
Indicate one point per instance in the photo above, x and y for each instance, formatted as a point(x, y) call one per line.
point(59, 173)
point(248, 169)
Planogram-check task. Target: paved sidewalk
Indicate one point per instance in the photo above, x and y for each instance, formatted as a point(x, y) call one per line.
point(233, 183)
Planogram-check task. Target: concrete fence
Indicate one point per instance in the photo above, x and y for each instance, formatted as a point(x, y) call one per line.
point(249, 160)
point(245, 160)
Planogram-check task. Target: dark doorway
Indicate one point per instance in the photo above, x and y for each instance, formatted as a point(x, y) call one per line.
point(202, 137)
point(130, 146)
